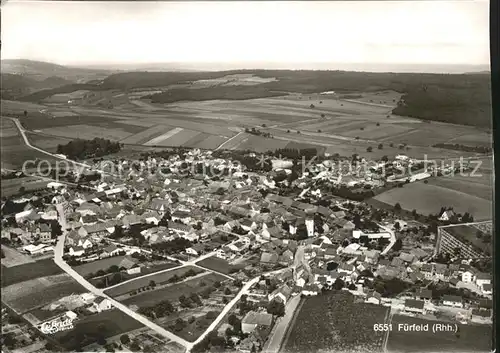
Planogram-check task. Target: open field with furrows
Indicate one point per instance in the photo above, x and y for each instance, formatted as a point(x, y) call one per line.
point(159, 279)
point(47, 142)
point(334, 323)
point(480, 186)
point(105, 324)
point(15, 107)
point(25, 272)
point(470, 338)
point(12, 186)
point(173, 292)
point(13, 150)
point(14, 257)
point(429, 198)
point(28, 295)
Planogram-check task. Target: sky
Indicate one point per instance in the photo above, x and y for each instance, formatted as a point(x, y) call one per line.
point(289, 33)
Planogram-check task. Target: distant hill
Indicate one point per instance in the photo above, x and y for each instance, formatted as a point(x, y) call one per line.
point(454, 98)
point(40, 70)
point(13, 85)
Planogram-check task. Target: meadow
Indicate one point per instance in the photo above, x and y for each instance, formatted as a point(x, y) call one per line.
point(470, 338)
point(28, 271)
point(159, 279)
point(173, 292)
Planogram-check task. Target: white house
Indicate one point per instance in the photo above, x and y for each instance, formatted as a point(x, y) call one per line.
point(468, 276)
point(76, 251)
point(101, 304)
point(310, 289)
point(374, 298)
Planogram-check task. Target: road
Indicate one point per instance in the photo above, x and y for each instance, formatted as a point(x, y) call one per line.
point(392, 240)
point(58, 254)
point(22, 131)
point(386, 336)
point(229, 306)
point(278, 333)
point(227, 141)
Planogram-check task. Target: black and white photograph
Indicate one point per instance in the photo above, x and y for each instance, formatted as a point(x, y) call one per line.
point(246, 176)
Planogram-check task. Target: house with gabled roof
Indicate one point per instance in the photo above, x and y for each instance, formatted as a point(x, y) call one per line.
point(269, 258)
point(414, 306)
point(453, 301)
point(374, 297)
point(281, 293)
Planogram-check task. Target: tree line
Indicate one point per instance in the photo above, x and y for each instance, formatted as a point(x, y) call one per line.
point(82, 149)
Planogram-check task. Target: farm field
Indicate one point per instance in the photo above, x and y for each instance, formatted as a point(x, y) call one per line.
point(28, 295)
point(174, 291)
point(13, 150)
point(94, 266)
point(480, 187)
point(11, 186)
point(46, 142)
point(87, 132)
point(428, 198)
point(345, 326)
point(471, 338)
point(219, 265)
point(105, 324)
point(14, 257)
point(28, 271)
point(159, 279)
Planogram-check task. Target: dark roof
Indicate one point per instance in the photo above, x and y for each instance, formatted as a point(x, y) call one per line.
point(425, 293)
point(412, 303)
point(452, 298)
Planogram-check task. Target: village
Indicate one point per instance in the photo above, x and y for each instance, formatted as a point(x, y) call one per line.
point(268, 236)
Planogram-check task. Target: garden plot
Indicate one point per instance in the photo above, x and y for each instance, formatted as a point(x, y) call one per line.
point(372, 131)
point(211, 142)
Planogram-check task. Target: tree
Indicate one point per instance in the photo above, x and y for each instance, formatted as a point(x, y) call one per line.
point(378, 124)
point(311, 106)
point(288, 131)
point(397, 207)
point(380, 146)
point(125, 339)
point(276, 308)
point(322, 115)
point(22, 189)
point(385, 159)
point(397, 226)
point(152, 283)
point(25, 113)
point(352, 286)
point(263, 125)
point(357, 137)
point(398, 245)
point(227, 291)
point(339, 284)
point(369, 149)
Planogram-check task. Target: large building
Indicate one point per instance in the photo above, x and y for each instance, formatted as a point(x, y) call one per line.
point(471, 240)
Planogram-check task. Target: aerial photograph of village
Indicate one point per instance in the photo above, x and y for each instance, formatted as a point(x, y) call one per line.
point(246, 177)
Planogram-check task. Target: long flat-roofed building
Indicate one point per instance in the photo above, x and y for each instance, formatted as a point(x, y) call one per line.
point(468, 240)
